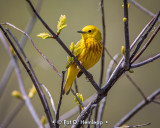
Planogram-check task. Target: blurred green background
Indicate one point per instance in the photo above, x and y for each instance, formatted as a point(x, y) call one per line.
point(122, 97)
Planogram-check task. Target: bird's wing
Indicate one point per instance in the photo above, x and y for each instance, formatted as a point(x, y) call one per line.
point(76, 50)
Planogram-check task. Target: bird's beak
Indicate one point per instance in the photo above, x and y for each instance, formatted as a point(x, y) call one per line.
point(81, 32)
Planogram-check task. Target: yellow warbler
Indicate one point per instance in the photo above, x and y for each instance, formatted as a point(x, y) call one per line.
point(88, 51)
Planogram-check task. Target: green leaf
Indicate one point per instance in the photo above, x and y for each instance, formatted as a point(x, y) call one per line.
point(71, 47)
point(61, 24)
point(44, 35)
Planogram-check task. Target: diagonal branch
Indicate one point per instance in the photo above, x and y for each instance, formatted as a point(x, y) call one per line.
point(143, 37)
point(138, 108)
point(128, 77)
point(143, 9)
point(34, 47)
point(146, 61)
point(77, 98)
point(21, 86)
point(12, 115)
point(146, 45)
point(103, 102)
point(23, 40)
point(98, 89)
point(34, 80)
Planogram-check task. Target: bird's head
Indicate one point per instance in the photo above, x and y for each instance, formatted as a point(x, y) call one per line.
point(91, 31)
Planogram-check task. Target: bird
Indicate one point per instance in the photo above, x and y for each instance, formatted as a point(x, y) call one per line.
point(88, 51)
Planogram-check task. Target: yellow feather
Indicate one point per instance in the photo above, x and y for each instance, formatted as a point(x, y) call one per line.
point(72, 73)
point(88, 51)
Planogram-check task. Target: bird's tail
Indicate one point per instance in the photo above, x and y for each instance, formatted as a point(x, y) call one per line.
point(72, 73)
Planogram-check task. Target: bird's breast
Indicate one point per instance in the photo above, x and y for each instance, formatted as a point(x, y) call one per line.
point(91, 52)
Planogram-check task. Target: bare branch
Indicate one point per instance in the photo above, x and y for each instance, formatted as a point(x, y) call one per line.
point(34, 80)
point(143, 9)
point(136, 126)
point(128, 77)
point(103, 41)
point(12, 115)
point(136, 86)
point(35, 47)
point(21, 86)
point(22, 43)
point(51, 99)
point(142, 32)
point(60, 100)
point(75, 109)
point(103, 53)
point(146, 61)
point(147, 44)
point(126, 32)
point(103, 102)
point(141, 105)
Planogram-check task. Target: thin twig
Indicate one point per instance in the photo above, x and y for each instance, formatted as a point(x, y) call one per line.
point(136, 86)
point(104, 43)
point(89, 116)
point(75, 109)
point(128, 77)
point(133, 57)
point(157, 102)
point(103, 53)
point(51, 99)
point(95, 85)
point(146, 61)
point(103, 102)
point(136, 126)
point(34, 80)
point(12, 115)
point(23, 40)
point(24, 55)
point(141, 105)
point(34, 47)
point(21, 85)
point(60, 100)
point(126, 32)
point(77, 91)
point(142, 32)
point(143, 9)
point(146, 45)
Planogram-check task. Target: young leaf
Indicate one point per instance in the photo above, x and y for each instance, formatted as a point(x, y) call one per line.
point(44, 35)
point(61, 24)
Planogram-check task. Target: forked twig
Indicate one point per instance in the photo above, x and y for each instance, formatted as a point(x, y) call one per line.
point(34, 80)
point(21, 85)
point(23, 40)
point(34, 47)
point(136, 109)
point(146, 45)
point(60, 100)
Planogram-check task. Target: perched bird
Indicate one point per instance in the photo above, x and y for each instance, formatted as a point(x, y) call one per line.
point(88, 51)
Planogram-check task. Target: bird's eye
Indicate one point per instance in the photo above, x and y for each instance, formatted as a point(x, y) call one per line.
point(89, 31)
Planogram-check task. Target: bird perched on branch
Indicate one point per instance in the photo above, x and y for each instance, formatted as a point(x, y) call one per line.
point(88, 51)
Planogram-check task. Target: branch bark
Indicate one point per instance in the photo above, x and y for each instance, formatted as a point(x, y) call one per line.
point(137, 108)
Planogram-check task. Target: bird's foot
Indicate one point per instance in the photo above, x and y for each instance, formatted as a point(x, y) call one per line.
point(80, 64)
point(90, 77)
